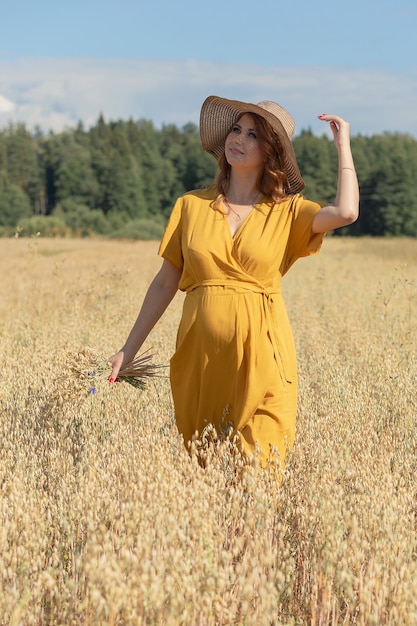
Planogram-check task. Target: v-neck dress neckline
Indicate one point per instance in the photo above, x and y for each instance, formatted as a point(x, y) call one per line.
point(242, 222)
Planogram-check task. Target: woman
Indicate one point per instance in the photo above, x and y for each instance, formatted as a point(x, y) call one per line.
point(228, 248)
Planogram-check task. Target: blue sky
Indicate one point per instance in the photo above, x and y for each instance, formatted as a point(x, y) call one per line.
point(62, 62)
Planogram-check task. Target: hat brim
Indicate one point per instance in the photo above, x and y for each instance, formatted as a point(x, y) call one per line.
point(217, 117)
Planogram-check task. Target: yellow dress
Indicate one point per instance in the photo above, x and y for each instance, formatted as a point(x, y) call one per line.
point(235, 361)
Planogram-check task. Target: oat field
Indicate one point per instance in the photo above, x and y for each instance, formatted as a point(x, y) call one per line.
point(105, 519)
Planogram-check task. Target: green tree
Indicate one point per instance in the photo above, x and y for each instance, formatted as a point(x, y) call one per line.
point(158, 173)
point(117, 170)
point(22, 162)
point(124, 184)
point(200, 167)
point(389, 206)
point(73, 174)
point(318, 163)
point(14, 205)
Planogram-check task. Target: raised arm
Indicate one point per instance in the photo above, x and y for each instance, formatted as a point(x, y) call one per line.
point(160, 293)
point(345, 209)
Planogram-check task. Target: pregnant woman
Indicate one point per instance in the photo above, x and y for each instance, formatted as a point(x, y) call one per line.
point(228, 248)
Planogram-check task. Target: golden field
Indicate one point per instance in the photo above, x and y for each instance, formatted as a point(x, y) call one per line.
point(105, 519)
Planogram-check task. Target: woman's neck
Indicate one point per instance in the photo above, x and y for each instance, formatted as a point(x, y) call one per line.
point(242, 190)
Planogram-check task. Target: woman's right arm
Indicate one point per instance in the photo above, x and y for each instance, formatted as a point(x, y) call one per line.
point(160, 293)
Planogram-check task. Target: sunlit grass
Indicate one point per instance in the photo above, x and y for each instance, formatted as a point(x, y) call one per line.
point(104, 517)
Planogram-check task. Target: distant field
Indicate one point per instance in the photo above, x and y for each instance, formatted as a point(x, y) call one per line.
point(106, 520)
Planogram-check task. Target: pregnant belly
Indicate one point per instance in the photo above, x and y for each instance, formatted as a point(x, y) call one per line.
point(216, 317)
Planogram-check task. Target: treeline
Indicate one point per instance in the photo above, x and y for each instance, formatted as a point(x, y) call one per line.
point(121, 178)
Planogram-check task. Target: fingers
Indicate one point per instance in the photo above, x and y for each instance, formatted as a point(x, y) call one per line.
point(327, 117)
point(113, 378)
point(336, 121)
point(115, 363)
point(338, 126)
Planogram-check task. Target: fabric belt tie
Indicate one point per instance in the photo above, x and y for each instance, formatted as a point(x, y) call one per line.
point(267, 302)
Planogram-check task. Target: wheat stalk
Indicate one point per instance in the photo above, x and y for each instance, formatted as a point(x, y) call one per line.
point(137, 371)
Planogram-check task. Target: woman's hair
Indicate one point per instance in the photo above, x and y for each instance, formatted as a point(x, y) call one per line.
point(273, 180)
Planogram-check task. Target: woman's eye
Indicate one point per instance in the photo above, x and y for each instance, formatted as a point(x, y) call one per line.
point(252, 134)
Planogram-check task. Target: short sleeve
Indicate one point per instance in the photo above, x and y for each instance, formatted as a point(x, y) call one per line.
point(302, 241)
point(170, 247)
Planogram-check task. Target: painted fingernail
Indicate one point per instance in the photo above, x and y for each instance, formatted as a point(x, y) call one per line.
point(322, 115)
point(111, 380)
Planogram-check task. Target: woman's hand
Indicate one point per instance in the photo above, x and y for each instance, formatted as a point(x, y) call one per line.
point(339, 127)
point(116, 361)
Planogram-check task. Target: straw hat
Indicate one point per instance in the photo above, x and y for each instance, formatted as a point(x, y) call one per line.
point(219, 114)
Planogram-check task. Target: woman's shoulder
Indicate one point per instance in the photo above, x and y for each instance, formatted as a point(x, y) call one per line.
point(197, 195)
point(190, 202)
point(299, 203)
point(282, 205)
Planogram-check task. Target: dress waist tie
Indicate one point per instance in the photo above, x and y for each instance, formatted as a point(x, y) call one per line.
point(239, 286)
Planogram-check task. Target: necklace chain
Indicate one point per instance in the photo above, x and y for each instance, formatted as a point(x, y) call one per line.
point(238, 217)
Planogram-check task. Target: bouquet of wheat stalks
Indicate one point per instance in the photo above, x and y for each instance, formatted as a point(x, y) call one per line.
point(89, 368)
point(138, 371)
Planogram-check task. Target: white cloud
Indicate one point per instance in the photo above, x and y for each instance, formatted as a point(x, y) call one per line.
point(6, 106)
point(55, 93)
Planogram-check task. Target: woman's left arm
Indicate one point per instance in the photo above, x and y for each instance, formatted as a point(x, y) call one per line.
point(345, 209)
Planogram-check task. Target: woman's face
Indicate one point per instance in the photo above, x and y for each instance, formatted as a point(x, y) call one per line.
point(242, 148)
